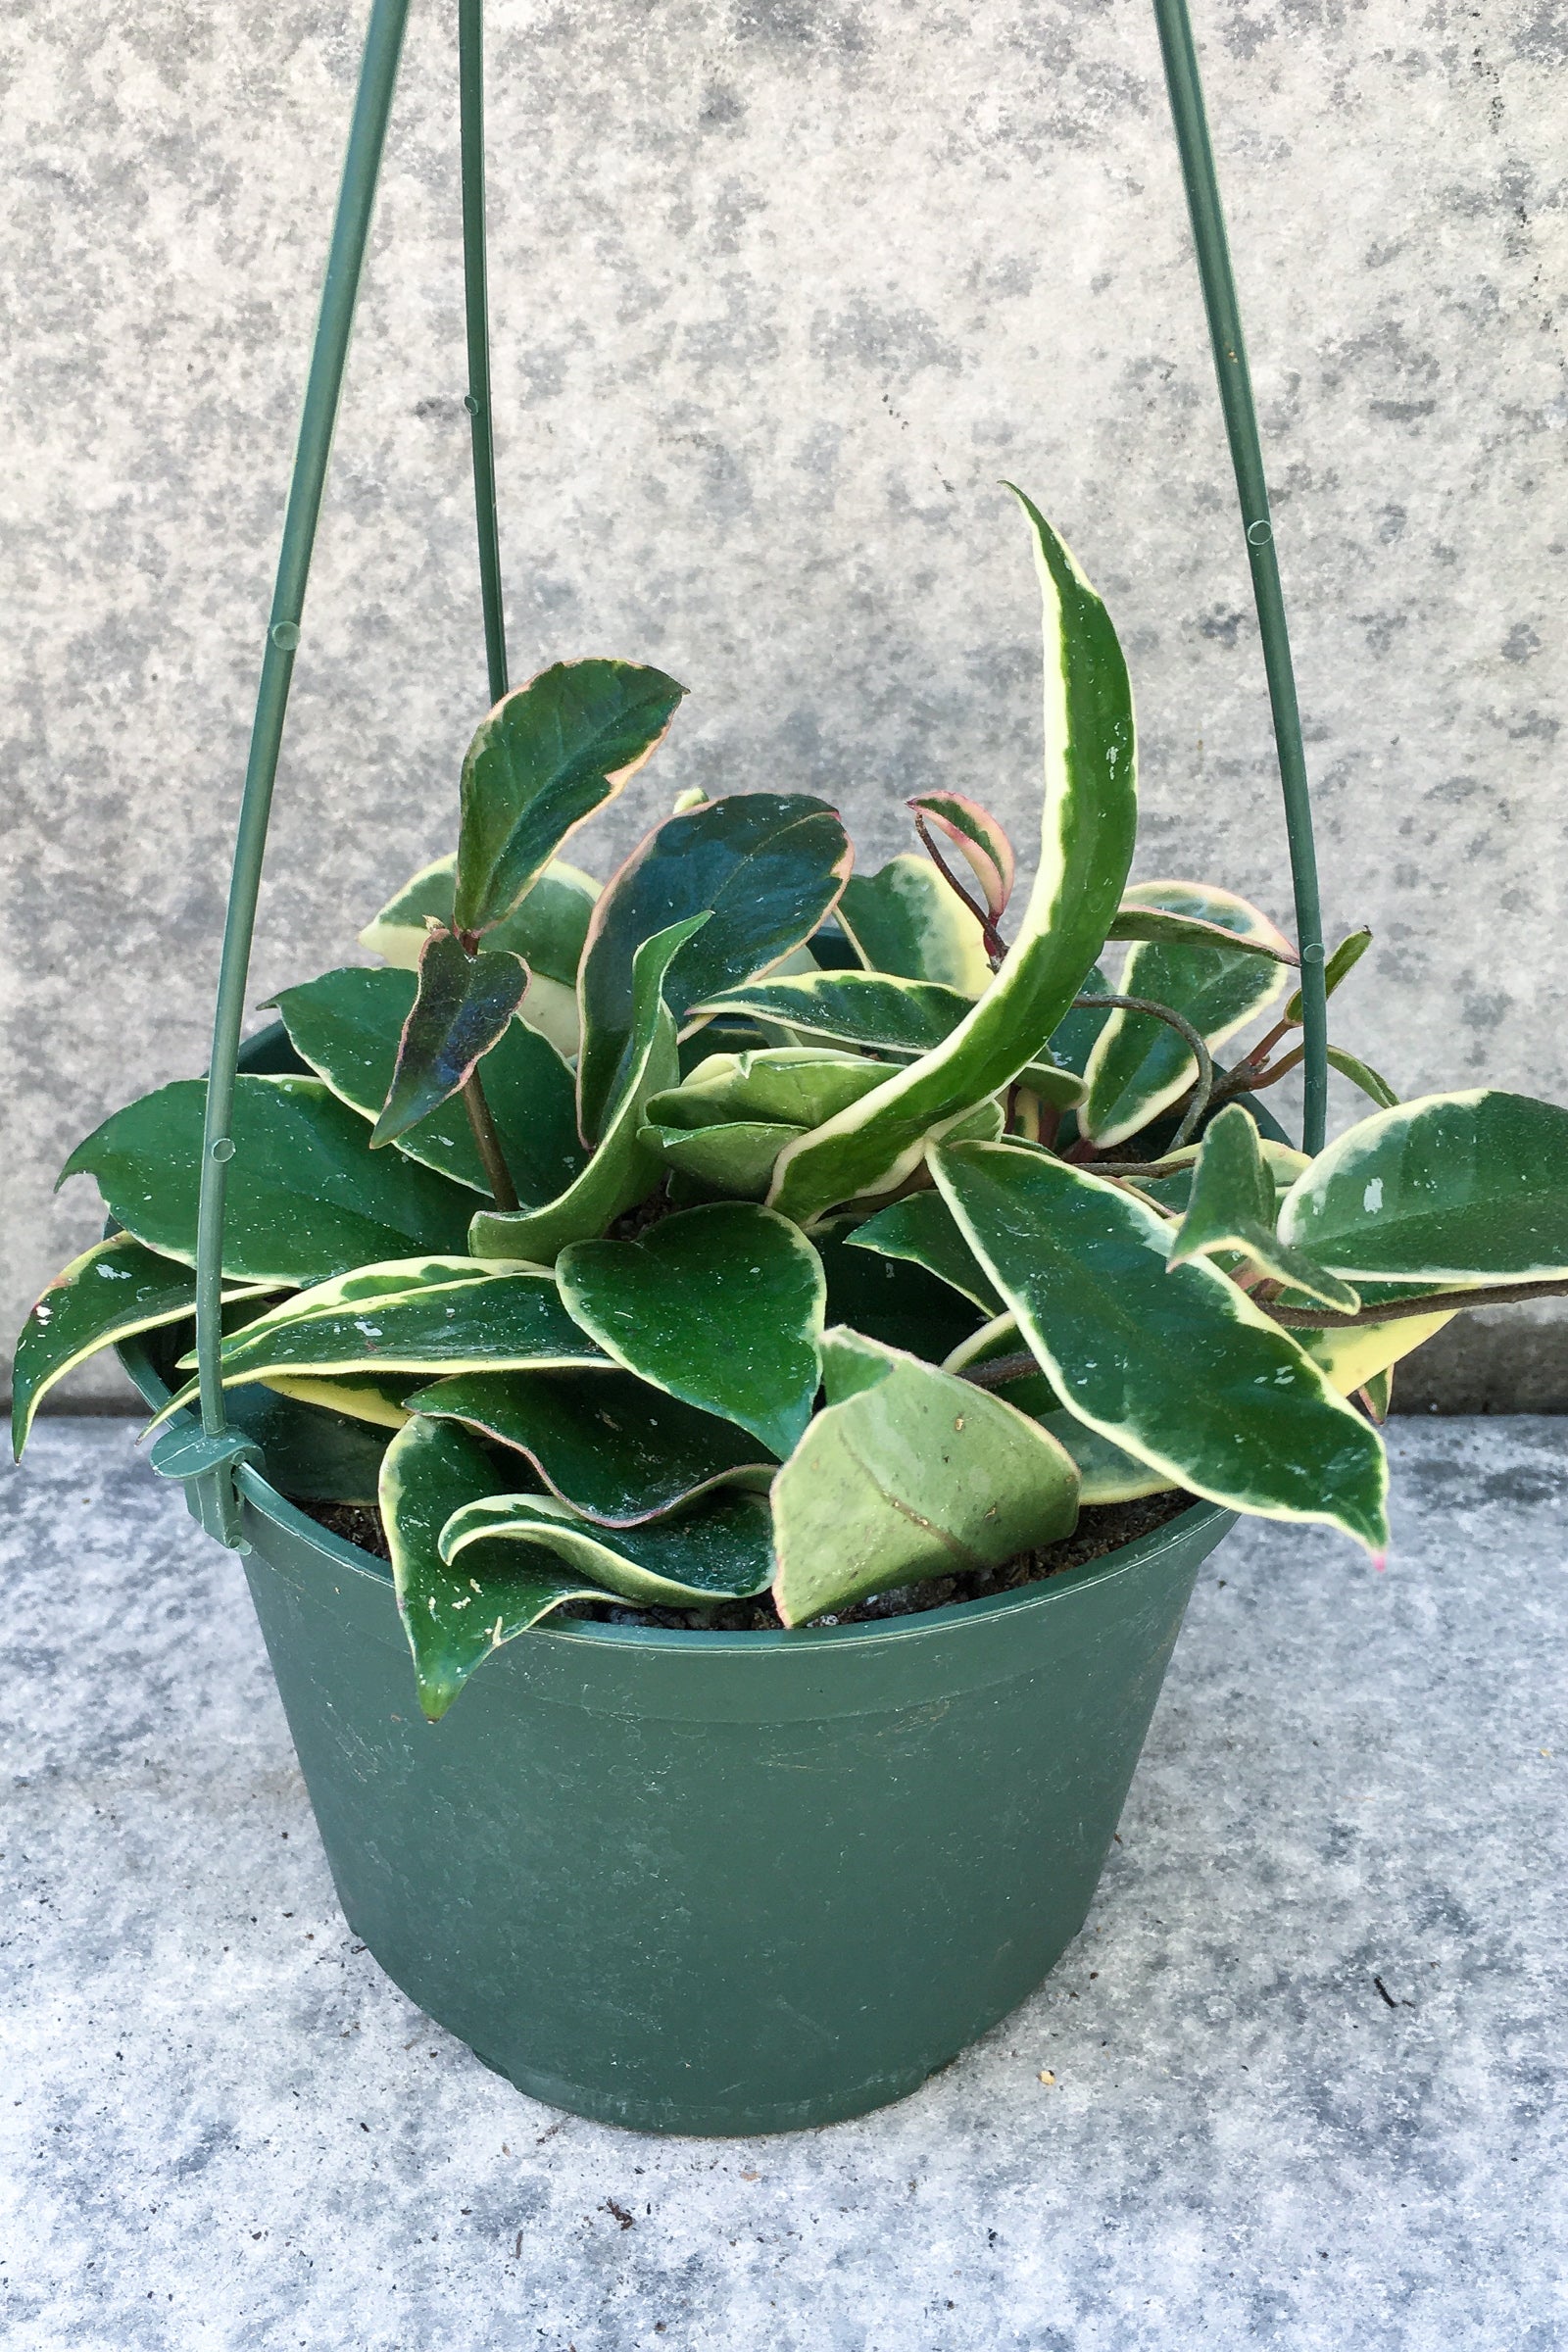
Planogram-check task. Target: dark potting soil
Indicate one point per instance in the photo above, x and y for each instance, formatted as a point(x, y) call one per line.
point(1101, 1529)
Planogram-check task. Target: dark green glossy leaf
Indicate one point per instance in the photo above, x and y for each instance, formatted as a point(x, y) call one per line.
point(1176, 1366)
point(547, 928)
point(890, 1298)
point(764, 867)
point(1141, 1065)
point(430, 1471)
point(1343, 960)
point(907, 921)
point(1106, 1474)
point(922, 1229)
point(613, 1449)
point(720, 1307)
point(111, 1291)
point(462, 1007)
point(719, 1549)
point(1362, 1074)
point(1450, 1188)
point(1196, 914)
point(311, 1453)
point(306, 1197)
point(979, 839)
point(1073, 1040)
point(1231, 1206)
point(347, 1026)
point(623, 1170)
point(1085, 846)
point(906, 1474)
point(548, 755)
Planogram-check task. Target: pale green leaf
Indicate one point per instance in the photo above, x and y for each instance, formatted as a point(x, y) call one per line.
point(907, 923)
point(715, 1550)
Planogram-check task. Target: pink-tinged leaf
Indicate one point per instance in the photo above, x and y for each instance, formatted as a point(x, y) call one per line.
point(462, 1009)
point(978, 839)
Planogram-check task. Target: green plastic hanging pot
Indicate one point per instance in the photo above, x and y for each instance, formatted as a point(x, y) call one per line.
point(720, 1883)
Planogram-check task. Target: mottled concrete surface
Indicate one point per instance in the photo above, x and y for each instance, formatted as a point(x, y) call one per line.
point(224, 2126)
point(782, 287)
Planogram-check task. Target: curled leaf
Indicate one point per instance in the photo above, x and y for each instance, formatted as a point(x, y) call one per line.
point(462, 1007)
point(979, 839)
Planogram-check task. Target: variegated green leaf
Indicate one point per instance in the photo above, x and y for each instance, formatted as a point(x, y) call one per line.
point(1231, 1206)
point(347, 1026)
point(890, 1298)
point(1359, 1353)
point(720, 1307)
point(1176, 1366)
point(868, 1010)
point(377, 1398)
point(430, 1471)
point(1072, 1041)
point(906, 1474)
point(907, 923)
point(113, 1290)
point(922, 1229)
point(1362, 1074)
point(980, 841)
point(431, 1315)
point(736, 1156)
point(1343, 960)
point(623, 1170)
point(1140, 1065)
point(1464, 1187)
point(608, 1445)
point(548, 755)
point(718, 1549)
point(765, 868)
point(306, 1197)
point(463, 1007)
point(1086, 847)
point(1172, 1190)
point(1196, 914)
point(1106, 1473)
point(547, 928)
point(802, 1085)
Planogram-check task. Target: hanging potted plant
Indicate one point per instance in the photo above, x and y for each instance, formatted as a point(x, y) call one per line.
point(723, 1381)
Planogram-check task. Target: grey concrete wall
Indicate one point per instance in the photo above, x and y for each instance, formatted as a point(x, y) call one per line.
point(781, 290)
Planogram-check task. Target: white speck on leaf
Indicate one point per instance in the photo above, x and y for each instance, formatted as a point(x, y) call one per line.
point(1372, 1198)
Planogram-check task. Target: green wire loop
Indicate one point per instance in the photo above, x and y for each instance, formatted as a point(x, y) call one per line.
point(1246, 456)
point(476, 300)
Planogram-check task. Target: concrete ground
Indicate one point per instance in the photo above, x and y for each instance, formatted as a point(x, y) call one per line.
point(1304, 2056)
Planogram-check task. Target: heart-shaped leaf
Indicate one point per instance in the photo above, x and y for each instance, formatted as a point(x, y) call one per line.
point(1196, 914)
point(1177, 1367)
point(719, 1549)
point(978, 839)
point(462, 1007)
point(1140, 1065)
point(1231, 1206)
point(111, 1291)
point(1461, 1188)
point(548, 755)
point(547, 927)
point(347, 1026)
point(1086, 844)
point(453, 1620)
point(764, 867)
point(1106, 1474)
point(431, 1315)
point(922, 1229)
point(306, 1197)
point(613, 1449)
point(909, 1473)
point(868, 1010)
point(720, 1307)
point(623, 1170)
point(907, 921)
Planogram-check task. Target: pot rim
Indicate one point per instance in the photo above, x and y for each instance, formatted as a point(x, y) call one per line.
point(562, 1627)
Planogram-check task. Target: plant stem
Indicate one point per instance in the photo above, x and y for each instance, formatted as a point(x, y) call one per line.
point(1435, 1303)
point(1184, 1029)
point(496, 1173)
point(996, 945)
